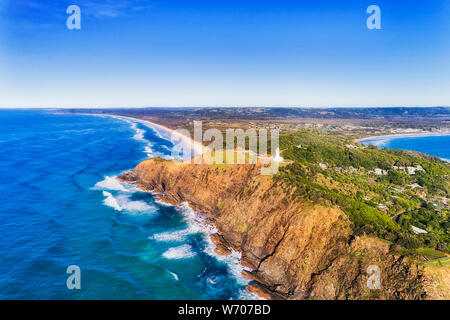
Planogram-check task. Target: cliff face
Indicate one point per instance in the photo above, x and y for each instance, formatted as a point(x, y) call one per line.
point(297, 250)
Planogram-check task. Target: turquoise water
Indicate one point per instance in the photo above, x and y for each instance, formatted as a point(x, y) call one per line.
point(438, 146)
point(61, 206)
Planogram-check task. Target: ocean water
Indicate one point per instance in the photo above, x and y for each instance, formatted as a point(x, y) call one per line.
point(438, 146)
point(61, 205)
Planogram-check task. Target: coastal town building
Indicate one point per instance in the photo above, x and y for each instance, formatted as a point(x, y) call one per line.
point(417, 230)
point(380, 172)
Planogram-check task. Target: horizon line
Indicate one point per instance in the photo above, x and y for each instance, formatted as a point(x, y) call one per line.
point(223, 107)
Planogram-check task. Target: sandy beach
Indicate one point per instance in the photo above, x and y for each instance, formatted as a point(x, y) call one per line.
point(193, 145)
point(391, 136)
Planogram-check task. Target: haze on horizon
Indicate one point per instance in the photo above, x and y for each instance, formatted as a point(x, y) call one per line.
point(224, 53)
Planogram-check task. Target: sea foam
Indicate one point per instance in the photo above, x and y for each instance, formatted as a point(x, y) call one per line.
point(198, 223)
point(139, 136)
point(123, 202)
point(112, 183)
point(174, 275)
point(181, 252)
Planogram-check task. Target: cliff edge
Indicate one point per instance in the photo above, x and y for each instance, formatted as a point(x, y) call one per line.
point(294, 248)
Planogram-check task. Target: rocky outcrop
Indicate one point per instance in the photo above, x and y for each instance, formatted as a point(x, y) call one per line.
point(293, 249)
point(222, 246)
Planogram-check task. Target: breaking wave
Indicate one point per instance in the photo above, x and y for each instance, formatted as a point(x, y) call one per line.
point(112, 183)
point(181, 252)
point(139, 136)
point(123, 202)
point(198, 223)
point(174, 275)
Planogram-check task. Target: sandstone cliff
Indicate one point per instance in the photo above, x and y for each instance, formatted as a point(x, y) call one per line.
point(295, 249)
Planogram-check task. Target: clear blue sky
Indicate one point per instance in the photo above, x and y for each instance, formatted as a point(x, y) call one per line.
point(224, 53)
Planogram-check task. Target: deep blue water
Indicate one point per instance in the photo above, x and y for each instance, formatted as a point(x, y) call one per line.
point(438, 146)
point(60, 205)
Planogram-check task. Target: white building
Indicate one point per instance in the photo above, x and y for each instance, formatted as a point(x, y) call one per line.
point(417, 230)
point(411, 170)
point(322, 165)
point(277, 157)
point(380, 172)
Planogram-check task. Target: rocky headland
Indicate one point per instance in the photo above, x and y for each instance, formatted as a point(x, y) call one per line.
point(292, 248)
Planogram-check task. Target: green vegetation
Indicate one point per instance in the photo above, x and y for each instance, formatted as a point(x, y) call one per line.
point(373, 186)
point(439, 263)
point(431, 254)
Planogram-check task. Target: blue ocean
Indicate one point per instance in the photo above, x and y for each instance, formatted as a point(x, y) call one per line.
point(62, 206)
point(438, 146)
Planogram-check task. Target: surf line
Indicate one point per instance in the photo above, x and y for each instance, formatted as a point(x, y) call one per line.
point(195, 147)
point(204, 227)
point(173, 136)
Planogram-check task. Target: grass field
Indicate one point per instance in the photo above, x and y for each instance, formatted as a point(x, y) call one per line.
point(431, 254)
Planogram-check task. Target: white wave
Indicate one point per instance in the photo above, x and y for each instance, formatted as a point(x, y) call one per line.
point(124, 203)
point(245, 295)
point(171, 236)
point(233, 261)
point(110, 201)
point(160, 202)
point(181, 252)
point(198, 223)
point(162, 134)
point(148, 146)
point(174, 275)
point(139, 136)
point(112, 183)
point(166, 147)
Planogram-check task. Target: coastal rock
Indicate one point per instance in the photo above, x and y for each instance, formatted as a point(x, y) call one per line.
point(249, 275)
point(259, 290)
point(295, 249)
point(221, 245)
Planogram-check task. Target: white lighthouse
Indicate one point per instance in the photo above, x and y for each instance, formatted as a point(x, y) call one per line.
point(277, 157)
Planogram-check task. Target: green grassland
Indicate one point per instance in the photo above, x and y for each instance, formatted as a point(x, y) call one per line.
point(385, 205)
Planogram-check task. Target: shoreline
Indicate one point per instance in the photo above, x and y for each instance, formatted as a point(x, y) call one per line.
point(193, 145)
point(218, 246)
point(210, 231)
point(401, 135)
point(209, 228)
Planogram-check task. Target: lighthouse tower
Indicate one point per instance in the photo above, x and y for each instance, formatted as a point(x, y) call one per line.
point(277, 157)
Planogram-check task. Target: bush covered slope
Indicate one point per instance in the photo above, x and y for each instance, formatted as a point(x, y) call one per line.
point(372, 186)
